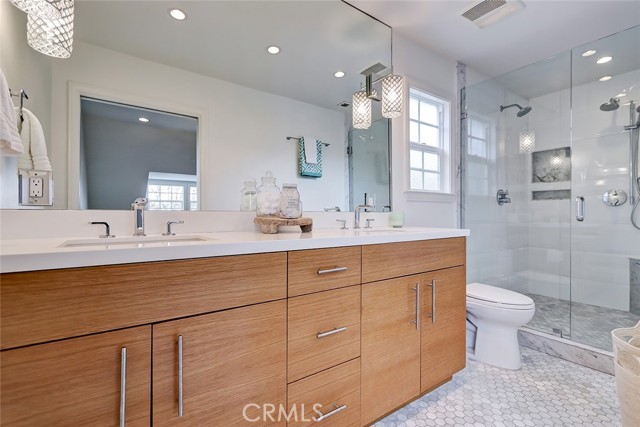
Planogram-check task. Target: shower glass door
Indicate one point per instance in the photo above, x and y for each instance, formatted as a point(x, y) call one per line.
point(605, 247)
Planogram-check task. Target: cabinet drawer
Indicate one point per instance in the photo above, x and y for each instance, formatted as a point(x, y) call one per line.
point(317, 270)
point(324, 330)
point(335, 388)
point(39, 306)
point(390, 260)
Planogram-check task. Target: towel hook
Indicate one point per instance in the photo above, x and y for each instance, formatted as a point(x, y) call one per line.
point(23, 95)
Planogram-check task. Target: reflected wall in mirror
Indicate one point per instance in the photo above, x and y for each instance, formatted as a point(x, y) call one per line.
point(214, 67)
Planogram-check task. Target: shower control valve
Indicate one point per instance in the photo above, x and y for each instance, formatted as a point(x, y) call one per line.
point(502, 197)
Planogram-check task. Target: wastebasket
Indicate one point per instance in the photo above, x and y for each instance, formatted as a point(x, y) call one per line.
point(626, 358)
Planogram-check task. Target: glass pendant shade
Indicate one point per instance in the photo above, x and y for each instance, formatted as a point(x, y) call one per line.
point(527, 141)
point(392, 96)
point(361, 110)
point(47, 9)
point(53, 37)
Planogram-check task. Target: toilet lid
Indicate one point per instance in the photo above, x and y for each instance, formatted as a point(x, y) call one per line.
point(494, 294)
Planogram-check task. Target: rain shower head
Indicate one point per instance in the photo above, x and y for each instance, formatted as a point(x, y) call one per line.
point(613, 104)
point(523, 111)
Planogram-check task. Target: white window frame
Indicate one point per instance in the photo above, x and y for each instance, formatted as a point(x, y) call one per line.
point(446, 150)
point(187, 182)
point(489, 160)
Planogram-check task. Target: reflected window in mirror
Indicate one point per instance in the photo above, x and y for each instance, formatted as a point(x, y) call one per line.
point(479, 142)
point(128, 151)
point(429, 142)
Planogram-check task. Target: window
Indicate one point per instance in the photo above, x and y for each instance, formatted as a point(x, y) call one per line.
point(478, 155)
point(429, 142)
point(172, 192)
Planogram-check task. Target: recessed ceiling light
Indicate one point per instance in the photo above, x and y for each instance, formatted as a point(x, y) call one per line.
point(143, 119)
point(339, 74)
point(178, 14)
point(604, 59)
point(273, 50)
point(605, 78)
point(588, 53)
point(620, 95)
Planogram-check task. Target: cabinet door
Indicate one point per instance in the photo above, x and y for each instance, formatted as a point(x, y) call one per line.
point(78, 382)
point(233, 364)
point(390, 346)
point(443, 326)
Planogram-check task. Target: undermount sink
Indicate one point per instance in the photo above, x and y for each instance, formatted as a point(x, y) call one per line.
point(381, 230)
point(144, 241)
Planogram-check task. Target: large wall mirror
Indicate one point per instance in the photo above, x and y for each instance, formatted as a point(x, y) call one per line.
point(213, 68)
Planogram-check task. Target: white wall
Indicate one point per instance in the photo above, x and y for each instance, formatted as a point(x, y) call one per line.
point(25, 69)
point(436, 74)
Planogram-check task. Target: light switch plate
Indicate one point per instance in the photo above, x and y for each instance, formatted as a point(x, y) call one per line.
point(35, 187)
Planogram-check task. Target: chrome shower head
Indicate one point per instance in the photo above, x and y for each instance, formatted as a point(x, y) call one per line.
point(613, 104)
point(523, 111)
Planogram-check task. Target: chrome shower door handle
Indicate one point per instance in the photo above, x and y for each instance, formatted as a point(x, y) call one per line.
point(580, 208)
point(123, 386)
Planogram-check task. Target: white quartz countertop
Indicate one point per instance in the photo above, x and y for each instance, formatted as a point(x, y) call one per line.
point(46, 254)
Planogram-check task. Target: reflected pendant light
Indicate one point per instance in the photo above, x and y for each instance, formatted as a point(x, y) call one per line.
point(392, 96)
point(53, 37)
point(48, 9)
point(361, 110)
point(527, 141)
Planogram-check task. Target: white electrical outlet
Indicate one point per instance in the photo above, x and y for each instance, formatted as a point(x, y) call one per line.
point(35, 187)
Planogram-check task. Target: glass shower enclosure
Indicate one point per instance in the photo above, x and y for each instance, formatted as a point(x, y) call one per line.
point(547, 187)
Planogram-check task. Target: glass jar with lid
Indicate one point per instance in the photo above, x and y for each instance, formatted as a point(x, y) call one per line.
point(290, 204)
point(249, 196)
point(268, 201)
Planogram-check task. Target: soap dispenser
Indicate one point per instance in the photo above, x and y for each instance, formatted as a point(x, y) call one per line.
point(268, 196)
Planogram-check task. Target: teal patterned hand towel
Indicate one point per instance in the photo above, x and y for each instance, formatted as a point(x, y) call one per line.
point(306, 168)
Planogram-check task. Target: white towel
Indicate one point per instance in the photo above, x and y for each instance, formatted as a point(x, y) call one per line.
point(33, 141)
point(310, 150)
point(10, 144)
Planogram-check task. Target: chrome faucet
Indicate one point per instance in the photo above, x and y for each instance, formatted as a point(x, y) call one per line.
point(169, 224)
point(138, 208)
point(359, 209)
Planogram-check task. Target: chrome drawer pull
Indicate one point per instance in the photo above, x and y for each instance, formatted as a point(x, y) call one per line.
point(180, 377)
point(433, 301)
point(417, 321)
point(332, 270)
point(331, 332)
point(330, 413)
point(123, 386)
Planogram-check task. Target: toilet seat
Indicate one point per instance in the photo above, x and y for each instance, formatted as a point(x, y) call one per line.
point(491, 296)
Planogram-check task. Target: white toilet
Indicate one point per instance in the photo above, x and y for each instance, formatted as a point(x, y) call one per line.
point(493, 318)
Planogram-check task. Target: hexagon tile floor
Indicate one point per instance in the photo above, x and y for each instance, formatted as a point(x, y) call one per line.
point(547, 391)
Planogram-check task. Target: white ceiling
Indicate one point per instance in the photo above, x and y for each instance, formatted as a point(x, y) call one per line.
point(542, 29)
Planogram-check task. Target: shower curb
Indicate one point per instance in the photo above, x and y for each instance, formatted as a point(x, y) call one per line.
point(580, 354)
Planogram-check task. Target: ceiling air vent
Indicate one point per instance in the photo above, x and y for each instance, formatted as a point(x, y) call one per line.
point(487, 12)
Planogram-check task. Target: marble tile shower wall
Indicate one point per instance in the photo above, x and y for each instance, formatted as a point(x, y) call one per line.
point(526, 245)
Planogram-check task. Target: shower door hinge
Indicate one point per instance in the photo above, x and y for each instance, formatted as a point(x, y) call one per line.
point(463, 116)
point(349, 151)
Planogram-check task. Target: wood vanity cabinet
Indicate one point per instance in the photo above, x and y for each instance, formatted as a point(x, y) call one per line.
point(229, 359)
point(79, 381)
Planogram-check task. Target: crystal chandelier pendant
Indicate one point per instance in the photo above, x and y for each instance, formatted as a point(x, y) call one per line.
point(361, 110)
point(47, 9)
point(527, 141)
point(392, 96)
point(53, 37)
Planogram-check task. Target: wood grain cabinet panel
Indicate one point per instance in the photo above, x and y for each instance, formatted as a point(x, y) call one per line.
point(336, 394)
point(323, 330)
point(231, 359)
point(41, 306)
point(77, 382)
point(317, 270)
point(389, 260)
point(390, 346)
point(443, 337)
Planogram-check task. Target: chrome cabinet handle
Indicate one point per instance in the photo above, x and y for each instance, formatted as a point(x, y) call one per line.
point(330, 413)
point(417, 321)
point(331, 332)
point(332, 270)
point(433, 301)
point(123, 386)
point(180, 377)
point(580, 208)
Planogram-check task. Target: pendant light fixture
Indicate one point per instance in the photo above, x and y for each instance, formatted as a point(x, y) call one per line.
point(527, 141)
point(47, 9)
point(53, 37)
point(392, 97)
